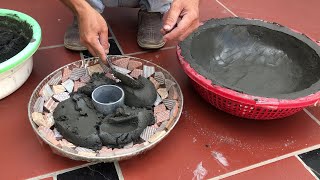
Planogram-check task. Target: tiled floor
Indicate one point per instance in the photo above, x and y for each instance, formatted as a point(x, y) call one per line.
point(226, 146)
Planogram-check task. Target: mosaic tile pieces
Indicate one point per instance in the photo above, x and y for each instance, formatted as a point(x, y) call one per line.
point(38, 105)
point(159, 108)
point(61, 97)
point(95, 69)
point(50, 105)
point(66, 74)
point(86, 78)
point(127, 146)
point(110, 76)
point(169, 83)
point(66, 143)
point(163, 93)
point(57, 89)
point(121, 70)
point(77, 85)
point(148, 132)
point(70, 150)
point(154, 82)
point(48, 134)
point(158, 100)
point(148, 71)
point(77, 73)
point(162, 126)
point(122, 62)
point(49, 121)
point(134, 65)
point(162, 116)
point(57, 135)
point(55, 80)
point(156, 136)
point(68, 84)
point(85, 152)
point(136, 73)
point(173, 93)
point(38, 119)
point(46, 92)
point(105, 151)
point(169, 103)
point(159, 76)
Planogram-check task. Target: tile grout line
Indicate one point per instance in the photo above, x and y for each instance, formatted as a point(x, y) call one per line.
point(115, 39)
point(147, 51)
point(269, 161)
point(312, 116)
point(307, 167)
point(225, 7)
point(118, 169)
point(55, 173)
point(51, 47)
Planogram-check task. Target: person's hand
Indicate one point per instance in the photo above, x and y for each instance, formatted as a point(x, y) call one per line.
point(188, 10)
point(94, 33)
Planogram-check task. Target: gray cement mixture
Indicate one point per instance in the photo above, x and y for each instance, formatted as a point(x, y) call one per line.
point(80, 123)
point(254, 57)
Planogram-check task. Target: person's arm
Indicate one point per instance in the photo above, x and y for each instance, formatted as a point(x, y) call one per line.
point(188, 10)
point(92, 26)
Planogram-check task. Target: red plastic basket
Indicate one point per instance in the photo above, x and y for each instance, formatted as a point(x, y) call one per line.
point(244, 105)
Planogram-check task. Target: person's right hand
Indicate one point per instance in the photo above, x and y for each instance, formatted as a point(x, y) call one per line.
point(94, 32)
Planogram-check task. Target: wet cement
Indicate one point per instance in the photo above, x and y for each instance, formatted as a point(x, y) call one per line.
point(80, 123)
point(14, 37)
point(254, 57)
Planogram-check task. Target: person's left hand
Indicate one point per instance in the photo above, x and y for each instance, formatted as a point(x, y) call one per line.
point(188, 10)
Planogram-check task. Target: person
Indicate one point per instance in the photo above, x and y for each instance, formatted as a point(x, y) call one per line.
point(158, 22)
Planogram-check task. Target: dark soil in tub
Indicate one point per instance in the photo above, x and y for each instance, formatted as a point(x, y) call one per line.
point(14, 37)
point(269, 61)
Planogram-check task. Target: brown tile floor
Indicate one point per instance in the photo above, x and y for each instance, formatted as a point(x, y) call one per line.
point(223, 143)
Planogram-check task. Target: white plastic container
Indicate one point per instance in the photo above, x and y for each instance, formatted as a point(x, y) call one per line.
point(15, 71)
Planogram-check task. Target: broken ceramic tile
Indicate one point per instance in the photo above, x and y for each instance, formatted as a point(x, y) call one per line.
point(162, 126)
point(169, 84)
point(155, 82)
point(175, 110)
point(121, 70)
point(66, 143)
point(48, 134)
point(55, 80)
point(128, 145)
point(49, 121)
point(173, 93)
point(105, 151)
point(70, 150)
point(77, 85)
point(77, 73)
point(159, 76)
point(148, 71)
point(163, 93)
point(86, 78)
point(169, 103)
point(57, 89)
point(38, 105)
point(148, 132)
point(111, 76)
point(122, 62)
point(136, 73)
point(46, 92)
point(156, 136)
point(158, 100)
point(50, 105)
point(66, 74)
point(163, 116)
point(134, 64)
point(68, 84)
point(85, 152)
point(57, 135)
point(38, 119)
point(95, 69)
point(159, 108)
point(117, 151)
point(155, 125)
point(104, 67)
point(61, 97)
